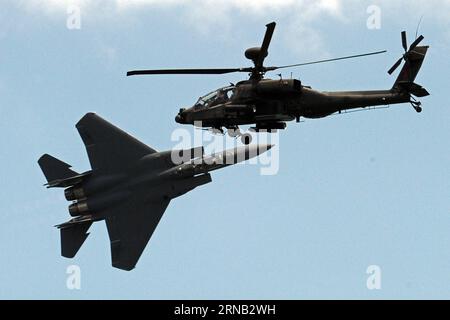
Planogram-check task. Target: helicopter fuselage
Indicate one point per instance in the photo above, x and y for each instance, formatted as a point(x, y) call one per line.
point(269, 104)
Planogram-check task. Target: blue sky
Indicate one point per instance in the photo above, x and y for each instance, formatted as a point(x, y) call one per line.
point(369, 188)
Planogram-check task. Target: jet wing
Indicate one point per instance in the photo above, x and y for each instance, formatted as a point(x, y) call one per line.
point(109, 148)
point(130, 227)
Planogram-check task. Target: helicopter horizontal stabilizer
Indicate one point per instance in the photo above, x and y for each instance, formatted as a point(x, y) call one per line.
point(413, 88)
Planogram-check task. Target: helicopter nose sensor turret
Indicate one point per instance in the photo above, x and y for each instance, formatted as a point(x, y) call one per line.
point(180, 118)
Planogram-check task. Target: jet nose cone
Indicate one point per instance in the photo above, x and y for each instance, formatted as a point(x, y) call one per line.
point(265, 147)
point(248, 152)
point(233, 156)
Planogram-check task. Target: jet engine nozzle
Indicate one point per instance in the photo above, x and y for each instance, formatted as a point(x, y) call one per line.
point(74, 193)
point(78, 208)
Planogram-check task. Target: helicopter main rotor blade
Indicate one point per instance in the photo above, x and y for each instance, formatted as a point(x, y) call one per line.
point(186, 71)
point(327, 60)
point(266, 43)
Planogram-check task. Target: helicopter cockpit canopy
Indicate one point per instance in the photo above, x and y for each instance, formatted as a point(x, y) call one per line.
point(218, 96)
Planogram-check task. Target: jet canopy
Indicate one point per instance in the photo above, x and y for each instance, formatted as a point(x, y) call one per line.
point(218, 96)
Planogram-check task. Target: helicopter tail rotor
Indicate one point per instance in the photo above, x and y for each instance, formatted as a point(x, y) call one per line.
point(413, 63)
point(410, 53)
point(414, 56)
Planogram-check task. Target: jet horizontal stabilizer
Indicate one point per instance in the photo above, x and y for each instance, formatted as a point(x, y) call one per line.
point(63, 183)
point(54, 169)
point(75, 221)
point(73, 235)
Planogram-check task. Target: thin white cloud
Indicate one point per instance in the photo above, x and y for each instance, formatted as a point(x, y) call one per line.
point(301, 18)
point(255, 6)
point(251, 7)
point(207, 15)
point(208, 7)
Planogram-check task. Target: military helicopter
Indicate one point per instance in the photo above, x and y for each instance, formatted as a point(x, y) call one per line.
point(269, 104)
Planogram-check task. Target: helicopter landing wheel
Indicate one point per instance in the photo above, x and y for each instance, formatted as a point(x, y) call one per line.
point(246, 138)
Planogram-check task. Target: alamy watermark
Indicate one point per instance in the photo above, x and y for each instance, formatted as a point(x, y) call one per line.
point(374, 19)
point(374, 279)
point(73, 21)
point(73, 281)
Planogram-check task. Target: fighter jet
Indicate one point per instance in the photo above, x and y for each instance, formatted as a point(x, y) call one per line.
point(130, 186)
